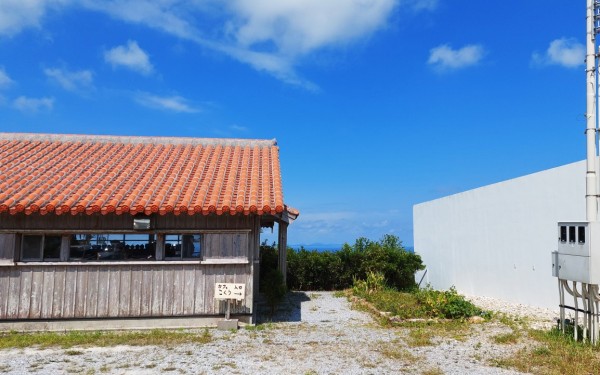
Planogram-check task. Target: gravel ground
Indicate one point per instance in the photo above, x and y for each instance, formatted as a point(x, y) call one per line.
point(316, 334)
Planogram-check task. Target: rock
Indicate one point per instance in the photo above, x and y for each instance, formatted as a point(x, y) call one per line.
point(476, 319)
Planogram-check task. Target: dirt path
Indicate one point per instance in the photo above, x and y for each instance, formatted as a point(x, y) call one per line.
point(316, 333)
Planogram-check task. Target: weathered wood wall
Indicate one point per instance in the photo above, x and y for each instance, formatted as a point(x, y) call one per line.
point(76, 290)
point(98, 222)
point(123, 291)
point(7, 246)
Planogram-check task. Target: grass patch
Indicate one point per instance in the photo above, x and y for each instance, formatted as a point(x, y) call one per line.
point(420, 337)
point(433, 371)
point(554, 354)
point(339, 294)
point(100, 338)
point(507, 338)
point(259, 327)
point(423, 332)
point(73, 352)
point(424, 303)
point(394, 351)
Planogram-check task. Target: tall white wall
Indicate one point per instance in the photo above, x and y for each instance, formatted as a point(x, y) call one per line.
point(496, 240)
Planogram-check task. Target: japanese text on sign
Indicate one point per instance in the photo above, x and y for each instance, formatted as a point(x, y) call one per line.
point(230, 291)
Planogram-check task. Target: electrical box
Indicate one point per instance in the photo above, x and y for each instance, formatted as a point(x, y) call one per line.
point(578, 253)
point(141, 224)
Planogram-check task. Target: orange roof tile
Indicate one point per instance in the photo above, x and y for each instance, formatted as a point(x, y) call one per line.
point(45, 173)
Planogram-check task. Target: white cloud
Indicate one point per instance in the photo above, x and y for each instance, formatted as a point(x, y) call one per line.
point(270, 36)
point(445, 58)
point(238, 128)
point(170, 16)
point(71, 81)
point(16, 15)
point(5, 80)
point(130, 56)
point(567, 52)
point(33, 105)
point(297, 27)
point(169, 103)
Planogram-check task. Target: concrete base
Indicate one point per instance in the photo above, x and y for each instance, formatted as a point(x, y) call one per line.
point(227, 325)
point(119, 324)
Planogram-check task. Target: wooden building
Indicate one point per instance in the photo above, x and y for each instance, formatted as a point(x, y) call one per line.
point(117, 232)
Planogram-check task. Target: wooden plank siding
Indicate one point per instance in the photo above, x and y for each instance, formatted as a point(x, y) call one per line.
point(7, 246)
point(98, 222)
point(76, 290)
point(117, 291)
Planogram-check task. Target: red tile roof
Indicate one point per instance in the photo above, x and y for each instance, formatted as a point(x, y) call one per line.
point(50, 173)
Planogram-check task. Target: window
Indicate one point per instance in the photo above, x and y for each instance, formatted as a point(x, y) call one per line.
point(182, 246)
point(40, 247)
point(112, 247)
point(581, 234)
point(563, 233)
point(572, 235)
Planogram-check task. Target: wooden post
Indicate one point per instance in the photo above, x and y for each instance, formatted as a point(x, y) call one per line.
point(282, 246)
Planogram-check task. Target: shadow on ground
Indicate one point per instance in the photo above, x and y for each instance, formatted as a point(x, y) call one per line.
point(290, 310)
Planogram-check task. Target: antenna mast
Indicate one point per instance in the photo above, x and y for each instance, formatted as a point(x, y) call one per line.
point(591, 195)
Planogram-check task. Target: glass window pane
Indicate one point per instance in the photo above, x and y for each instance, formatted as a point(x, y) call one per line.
point(32, 246)
point(563, 233)
point(182, 246)
point(113, 246)
point(52, 247)
point(581, 234)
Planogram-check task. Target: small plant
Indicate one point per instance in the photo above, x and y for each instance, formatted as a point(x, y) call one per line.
point(374, 283)
point(448, 304)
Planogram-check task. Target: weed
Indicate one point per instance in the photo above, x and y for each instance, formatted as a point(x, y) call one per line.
point(315, 296)
point(104, 369)
point(433, 371)
point(420, 337)
point(73, 352)
point(506, 338)
point(101, 339)
point(394, 351)
point(447, 304)
point(555, 354)
point(339, 294)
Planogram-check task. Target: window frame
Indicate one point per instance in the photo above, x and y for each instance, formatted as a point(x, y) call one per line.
point(181, 239)
point(40, 257)
point(205, 253)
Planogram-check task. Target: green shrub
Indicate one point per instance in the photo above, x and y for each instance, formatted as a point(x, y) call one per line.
point(274, 289)
point(447, 304)
point(268, 262)
point(314, 270)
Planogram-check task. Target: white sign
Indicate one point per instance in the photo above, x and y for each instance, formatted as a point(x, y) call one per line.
point(230, 291)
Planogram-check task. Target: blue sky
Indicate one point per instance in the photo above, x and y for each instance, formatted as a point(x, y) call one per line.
point(376, 104)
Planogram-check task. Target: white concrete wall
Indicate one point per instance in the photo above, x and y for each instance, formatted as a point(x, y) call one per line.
point(496, 240)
